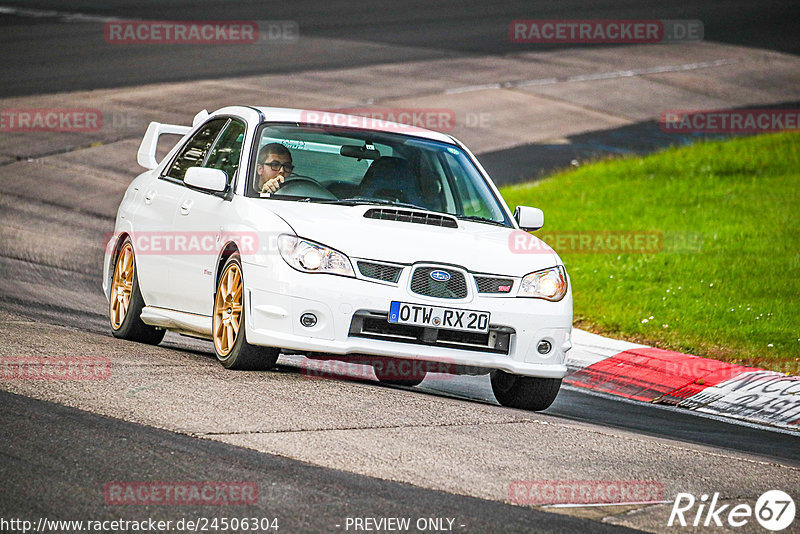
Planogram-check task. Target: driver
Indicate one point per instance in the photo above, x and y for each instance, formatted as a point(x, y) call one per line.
point(273, 165)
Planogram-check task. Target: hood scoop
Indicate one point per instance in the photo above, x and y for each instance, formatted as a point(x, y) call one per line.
point(417, 217)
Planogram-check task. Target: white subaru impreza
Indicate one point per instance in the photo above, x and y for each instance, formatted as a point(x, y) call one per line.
point(273, 231)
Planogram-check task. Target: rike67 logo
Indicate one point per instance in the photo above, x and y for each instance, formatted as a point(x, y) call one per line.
point(774, 510)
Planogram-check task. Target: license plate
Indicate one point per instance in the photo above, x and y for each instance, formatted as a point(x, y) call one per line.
point(438, 317)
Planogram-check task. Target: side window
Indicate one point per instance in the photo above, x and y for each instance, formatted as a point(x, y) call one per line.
point(228, 149)
point(195, 150)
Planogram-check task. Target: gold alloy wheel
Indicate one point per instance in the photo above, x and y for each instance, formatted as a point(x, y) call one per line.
point(121, 287)
point(228, 309)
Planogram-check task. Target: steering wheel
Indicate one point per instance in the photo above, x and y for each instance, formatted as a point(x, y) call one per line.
point(304, 187)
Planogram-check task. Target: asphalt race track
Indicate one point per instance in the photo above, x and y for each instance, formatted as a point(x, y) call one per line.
point(45, 55)
point(62, 485)
point(322, 451)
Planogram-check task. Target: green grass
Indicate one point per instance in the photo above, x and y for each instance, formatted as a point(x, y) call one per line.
point(726, 284)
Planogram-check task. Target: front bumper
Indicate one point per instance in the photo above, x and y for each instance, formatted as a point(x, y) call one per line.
point(277, 296)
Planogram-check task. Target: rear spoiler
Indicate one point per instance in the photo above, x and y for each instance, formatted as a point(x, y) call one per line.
point(146, 157)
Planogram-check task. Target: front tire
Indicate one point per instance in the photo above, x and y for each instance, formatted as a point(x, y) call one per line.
point(228, 329)
point(524, 392)
point(126, 301)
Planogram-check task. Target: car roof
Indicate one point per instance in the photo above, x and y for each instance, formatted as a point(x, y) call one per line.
point(331, 117)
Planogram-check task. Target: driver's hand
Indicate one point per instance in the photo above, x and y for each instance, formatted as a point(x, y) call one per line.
point(270, 186)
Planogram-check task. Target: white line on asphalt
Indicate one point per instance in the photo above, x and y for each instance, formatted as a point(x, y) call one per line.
point(470, 88)
point(47, 13)
point(571, 505)
point(596, 76)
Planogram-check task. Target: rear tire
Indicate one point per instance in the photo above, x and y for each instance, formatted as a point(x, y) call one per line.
point(228, 328)
point(524, 392)
point(126, 301)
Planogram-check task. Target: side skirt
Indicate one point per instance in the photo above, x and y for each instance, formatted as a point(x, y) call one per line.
point(180, 322)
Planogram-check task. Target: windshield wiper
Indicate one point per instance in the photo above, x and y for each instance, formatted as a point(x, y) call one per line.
point(357, 201)
point(476, 218)
point(377, 201)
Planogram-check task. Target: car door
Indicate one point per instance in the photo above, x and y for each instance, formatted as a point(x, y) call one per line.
point(202, 219)
point(152, 221)
point(154, 239)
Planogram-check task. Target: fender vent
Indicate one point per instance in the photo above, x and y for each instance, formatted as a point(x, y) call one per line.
point(411, 216)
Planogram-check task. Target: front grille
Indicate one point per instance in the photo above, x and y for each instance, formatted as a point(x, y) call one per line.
point(374, 325)
point(490, 284)
point(411, 216)
point(423, 284)
point(379, 271)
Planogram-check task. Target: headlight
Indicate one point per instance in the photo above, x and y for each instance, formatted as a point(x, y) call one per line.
point(549, 284)
point(311, 257)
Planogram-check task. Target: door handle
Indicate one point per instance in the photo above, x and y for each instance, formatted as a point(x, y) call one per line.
point(149, 196)
point(186, 206)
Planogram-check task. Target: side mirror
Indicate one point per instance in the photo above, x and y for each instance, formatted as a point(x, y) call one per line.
point(206, 179)
point(529, 218)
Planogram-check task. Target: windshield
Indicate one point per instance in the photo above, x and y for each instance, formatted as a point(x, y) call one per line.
point(350, 166)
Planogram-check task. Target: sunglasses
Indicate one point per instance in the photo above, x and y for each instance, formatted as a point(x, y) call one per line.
point(276, 165)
